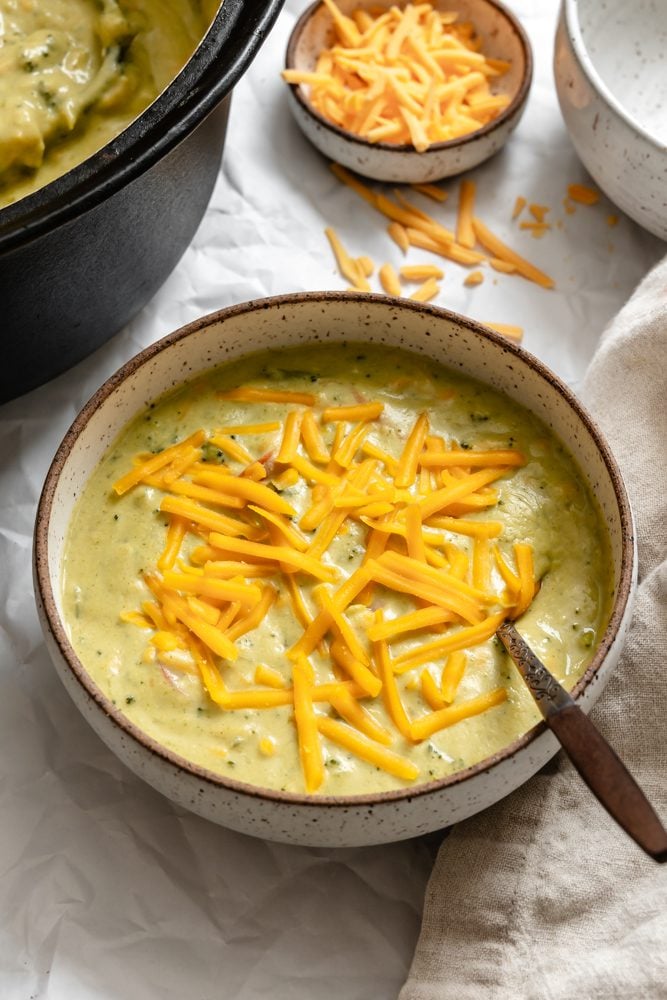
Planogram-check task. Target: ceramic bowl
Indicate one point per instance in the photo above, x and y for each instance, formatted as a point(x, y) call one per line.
point(281, 322)
point(611, 79)
point(502, 38)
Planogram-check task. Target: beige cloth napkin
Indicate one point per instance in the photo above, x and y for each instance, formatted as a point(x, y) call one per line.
point(542, 897)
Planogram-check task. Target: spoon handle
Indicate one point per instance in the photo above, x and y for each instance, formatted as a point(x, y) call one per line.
point(604, 773)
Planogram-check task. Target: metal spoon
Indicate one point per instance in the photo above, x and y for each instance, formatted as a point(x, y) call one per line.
point(606, 775)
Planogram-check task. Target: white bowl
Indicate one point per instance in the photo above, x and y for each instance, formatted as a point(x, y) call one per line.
point(502, 38)
point(611, 79)
point(281, 322)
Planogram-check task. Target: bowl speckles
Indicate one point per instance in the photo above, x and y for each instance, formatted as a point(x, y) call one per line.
point(611, 78)
point(502, 38)
point(281, 322)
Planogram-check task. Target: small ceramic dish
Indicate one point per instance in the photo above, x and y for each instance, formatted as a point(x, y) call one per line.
point(502, 38)
point(612, 87)
point(288, 321)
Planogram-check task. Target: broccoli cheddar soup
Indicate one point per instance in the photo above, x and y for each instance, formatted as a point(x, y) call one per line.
point(291, 570)
point(75, 73)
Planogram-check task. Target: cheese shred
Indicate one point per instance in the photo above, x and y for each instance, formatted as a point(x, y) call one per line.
point(450, 715)
point(310, 748)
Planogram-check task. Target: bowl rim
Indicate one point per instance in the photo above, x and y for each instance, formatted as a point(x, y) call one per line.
point(45, 596)
point(503, 118)
point(570, 8)
point(222, 55)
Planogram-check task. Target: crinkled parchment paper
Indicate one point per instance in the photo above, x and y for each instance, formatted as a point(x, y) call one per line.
point(107, 890)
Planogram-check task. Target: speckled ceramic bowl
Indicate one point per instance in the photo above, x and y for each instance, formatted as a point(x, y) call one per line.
point(502, 37)
point(286, 321)
point(611, 78)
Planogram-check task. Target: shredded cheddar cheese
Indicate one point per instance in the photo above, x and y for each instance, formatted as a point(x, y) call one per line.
point(427, 291)
point(269, 677)
point(519, 206)
point(306, 724)
point(360, 745)
point(538, 212)
point(503, 266)
point(347, 266)
point(364, 411)
point(399, 236)
point(366, 265)
point(421, 272)
point(206, 597)
point(253, 395)
point(536, 229)
point(267, 428)
point(474, 278)
point(452, 674)
point(464, 230)
point(407, 74)
point(135, 618)
point(507, 329)
point(139, 472)
point(389, 280)
point(583, 194)
point(450, 715)
point(291, 435)
point(349, 709)
point(431, 191)
point(430, 692)
point(499, 249)
point(411, 226)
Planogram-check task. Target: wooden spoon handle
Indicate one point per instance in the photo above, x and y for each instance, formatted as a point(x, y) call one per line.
point(609, 779)
point(604, 773)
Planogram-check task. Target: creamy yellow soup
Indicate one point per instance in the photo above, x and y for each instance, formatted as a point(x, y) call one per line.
point(113, 541)
point(75, 73)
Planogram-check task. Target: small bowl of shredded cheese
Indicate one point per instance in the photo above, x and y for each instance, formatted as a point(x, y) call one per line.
point(409, 93)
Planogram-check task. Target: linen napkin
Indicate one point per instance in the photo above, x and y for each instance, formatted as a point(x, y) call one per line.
point(543, 897)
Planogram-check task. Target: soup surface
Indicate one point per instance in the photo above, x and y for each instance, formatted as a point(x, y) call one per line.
point(464, 506)
point(75, 73)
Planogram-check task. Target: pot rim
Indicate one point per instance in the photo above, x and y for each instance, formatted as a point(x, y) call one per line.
point(231, 42)
point(576, 37)
point(45, 595)
point(506, 115)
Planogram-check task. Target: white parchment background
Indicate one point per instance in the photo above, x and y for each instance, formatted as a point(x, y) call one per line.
point(107, 891)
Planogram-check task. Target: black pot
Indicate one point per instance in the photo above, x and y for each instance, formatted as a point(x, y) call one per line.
point(81, 256)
